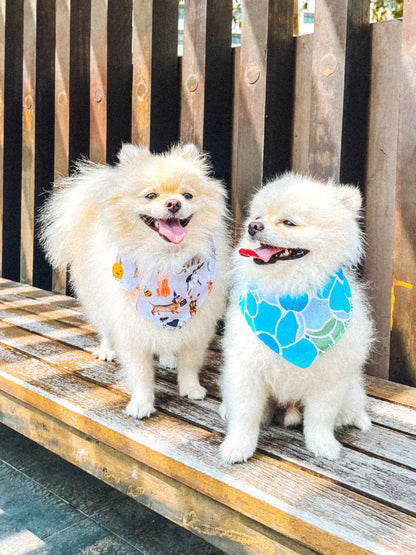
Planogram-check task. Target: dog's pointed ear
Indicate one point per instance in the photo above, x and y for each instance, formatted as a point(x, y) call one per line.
point(350, 197)
point(188, 151)
point(132, 153)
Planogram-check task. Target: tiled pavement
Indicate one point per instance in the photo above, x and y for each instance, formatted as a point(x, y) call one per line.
point(49, 506)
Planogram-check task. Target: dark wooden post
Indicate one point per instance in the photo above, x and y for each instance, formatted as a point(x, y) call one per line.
point(403, 347)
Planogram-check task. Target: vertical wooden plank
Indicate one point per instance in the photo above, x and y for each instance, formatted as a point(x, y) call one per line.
point(328, 71)
point(79, 80)
point(193, 72)
point(2, 55)
point(142, 69)
point(28, 147)
point(265, 97)
point(341, 29)
point(302, 104)
point(119, 76)
point(206, 80)
point(155, 105)
point(44, 127)
point(61, 150)
point(356, 93)
point(380, 187)
point(403, 348)
point(98, 81)
point(13, 91)
point(218, 87)
point(165, 76)
point(279, 99)
point(248, 156)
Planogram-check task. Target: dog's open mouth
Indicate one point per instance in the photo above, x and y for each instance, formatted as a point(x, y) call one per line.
point(172, 229)
point(266, 254)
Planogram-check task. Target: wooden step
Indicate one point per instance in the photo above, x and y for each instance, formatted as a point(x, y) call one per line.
point(53, 390)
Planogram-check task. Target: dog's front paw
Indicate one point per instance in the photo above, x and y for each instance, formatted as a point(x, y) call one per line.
point(139, 410)
point(193, 391)
point(236, 449)
point(324, 446)
point(361, 421)
point(105, 354)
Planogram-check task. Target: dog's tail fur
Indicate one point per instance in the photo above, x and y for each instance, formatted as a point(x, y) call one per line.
point(68, 212)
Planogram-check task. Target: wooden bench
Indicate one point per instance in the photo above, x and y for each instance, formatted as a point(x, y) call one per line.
point(283, 500)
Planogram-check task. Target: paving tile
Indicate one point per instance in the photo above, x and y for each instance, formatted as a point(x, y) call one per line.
point(62, 478)
point(15, 538)
point(150, 532)
point(86, 538)
point(51, 506)
point(32, 505)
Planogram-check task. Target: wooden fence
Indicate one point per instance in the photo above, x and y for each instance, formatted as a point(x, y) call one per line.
point(78, 77)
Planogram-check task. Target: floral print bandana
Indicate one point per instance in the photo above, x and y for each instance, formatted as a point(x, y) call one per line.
point(300, 329)
point(169, 301)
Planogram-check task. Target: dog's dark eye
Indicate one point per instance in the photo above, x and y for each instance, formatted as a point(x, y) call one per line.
point(288, 223)
point(151, 196)
point(188, 196)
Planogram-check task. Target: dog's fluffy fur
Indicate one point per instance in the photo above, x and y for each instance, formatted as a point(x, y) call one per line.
point(330, 392)
point(101, 204)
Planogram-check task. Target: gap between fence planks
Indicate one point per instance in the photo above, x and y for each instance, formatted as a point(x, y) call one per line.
point(367, 499)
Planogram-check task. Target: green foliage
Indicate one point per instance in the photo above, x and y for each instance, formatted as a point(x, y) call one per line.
point(381, 10)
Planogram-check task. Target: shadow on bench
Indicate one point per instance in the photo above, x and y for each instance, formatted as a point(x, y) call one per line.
point(283, 500)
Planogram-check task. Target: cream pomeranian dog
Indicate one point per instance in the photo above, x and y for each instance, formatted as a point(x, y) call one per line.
point(298, 328)
point(146, 243)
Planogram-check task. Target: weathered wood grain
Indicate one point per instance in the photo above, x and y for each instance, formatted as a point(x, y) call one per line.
point(287, 491)
point(183, 505)
point(381, 184)
point(61, 151)
point(339, 77)
point(142, 71)
point(12, 156)
point(2, 75)
point(193, 72)
point(98, 81)
point(205, 414)
point(403, 346)
point(248, 155)
point(302, 104)
point(28, 137)
point(363, 501)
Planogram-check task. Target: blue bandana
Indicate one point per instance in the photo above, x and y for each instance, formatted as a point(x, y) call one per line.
point(303, 328)
point(168, 300)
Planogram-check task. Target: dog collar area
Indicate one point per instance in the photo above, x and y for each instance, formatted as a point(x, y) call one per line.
point(303, 328)
point(169, 300)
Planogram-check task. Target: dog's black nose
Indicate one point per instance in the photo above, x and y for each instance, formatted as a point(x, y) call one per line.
point(173, 205)
point(254, 227)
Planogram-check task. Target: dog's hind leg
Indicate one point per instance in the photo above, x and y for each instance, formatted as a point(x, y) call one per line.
point(353, 412)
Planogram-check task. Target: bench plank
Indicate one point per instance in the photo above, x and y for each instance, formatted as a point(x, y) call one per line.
point(365, 501)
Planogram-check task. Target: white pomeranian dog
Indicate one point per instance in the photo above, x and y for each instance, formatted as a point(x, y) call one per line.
point(147, 245)
point(298, 328)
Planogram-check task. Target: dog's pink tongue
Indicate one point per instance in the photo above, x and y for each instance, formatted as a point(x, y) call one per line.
point(172, 230)
point(265, 253)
